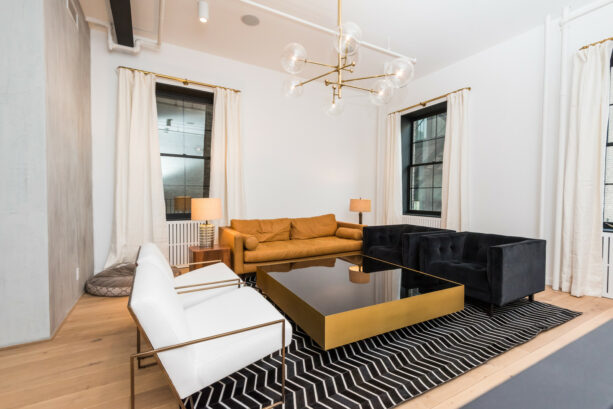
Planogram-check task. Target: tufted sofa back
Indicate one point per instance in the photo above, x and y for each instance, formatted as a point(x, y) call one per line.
point(476, 245)
point(390, 235)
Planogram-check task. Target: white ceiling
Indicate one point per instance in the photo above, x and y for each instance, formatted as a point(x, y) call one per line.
point(436, 32)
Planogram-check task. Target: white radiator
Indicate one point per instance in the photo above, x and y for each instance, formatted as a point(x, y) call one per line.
point(422, 221)
point(181, 235)
point(607, 258)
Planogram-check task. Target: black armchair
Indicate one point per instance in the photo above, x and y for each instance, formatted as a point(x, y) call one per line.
point(398, 243)
point(493, 268)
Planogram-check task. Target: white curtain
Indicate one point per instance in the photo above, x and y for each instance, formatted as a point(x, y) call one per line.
point(226, 156)
point(454, 195)
point(392, 172)
point(139, 212)
point(577, 259)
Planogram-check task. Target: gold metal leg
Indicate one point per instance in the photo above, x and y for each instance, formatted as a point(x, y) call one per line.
point(138, 350)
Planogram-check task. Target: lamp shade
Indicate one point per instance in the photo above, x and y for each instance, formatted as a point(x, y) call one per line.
point(359, 205)
point(206, 208)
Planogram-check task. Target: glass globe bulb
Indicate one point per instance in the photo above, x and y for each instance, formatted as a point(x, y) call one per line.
point(293, 58)
point(350, 39)
point(291, 87)
point(383, 90)
point(400, 71)
point(336, 108)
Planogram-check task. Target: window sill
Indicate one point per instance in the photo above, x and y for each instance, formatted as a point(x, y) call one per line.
point(435, 216)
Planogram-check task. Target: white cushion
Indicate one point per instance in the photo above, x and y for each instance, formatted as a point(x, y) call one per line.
point(208, 274)
point(150, 252)
point(242, 308)
point(160, 313)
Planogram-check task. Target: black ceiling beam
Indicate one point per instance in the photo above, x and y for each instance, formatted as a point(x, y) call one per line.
point(122, 21)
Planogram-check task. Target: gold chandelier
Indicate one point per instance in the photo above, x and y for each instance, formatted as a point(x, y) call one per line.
point(396, 73)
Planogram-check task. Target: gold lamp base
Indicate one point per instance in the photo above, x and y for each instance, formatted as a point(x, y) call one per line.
point(206, 235)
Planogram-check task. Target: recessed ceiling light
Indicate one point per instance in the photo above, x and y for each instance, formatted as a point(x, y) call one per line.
point(250, 20)
point(203, 11)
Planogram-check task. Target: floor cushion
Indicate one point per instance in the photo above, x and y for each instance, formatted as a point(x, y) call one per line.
point(115, 281)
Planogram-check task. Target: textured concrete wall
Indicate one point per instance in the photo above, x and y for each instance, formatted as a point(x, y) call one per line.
point(69, 182)
point(24, 279)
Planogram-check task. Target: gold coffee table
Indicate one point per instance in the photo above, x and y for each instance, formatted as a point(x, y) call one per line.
point(342, 300)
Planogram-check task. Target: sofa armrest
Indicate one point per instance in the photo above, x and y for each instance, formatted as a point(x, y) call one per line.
point(410, 246)
point(516, 270)
point(440, 247)
point(351, 225)
point(235, 240)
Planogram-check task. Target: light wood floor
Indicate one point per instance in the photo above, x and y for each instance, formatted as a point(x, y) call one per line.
point(86, 365)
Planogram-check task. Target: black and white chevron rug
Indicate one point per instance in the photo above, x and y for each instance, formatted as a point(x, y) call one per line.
point(386, 370)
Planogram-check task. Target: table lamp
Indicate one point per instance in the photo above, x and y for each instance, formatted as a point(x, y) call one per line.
point(358, 276)
point(206, 209)
point(359, 205)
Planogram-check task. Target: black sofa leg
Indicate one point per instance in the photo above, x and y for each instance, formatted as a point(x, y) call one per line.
point(490, 311)
point(531, 297)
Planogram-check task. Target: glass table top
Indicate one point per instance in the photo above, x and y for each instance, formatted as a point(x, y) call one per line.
point(335, 285)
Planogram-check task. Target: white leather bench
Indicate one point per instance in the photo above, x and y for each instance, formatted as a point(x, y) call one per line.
point(199, 342)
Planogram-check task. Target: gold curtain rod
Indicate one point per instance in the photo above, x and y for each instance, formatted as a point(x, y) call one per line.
point(184, 81)
point(424, 103)
point(596, 43)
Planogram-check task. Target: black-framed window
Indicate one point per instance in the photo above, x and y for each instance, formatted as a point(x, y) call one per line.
point(423, 138)
point(608, 178)
point(185, 118)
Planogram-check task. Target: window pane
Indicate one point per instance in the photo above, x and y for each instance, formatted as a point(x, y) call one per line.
point(610, 136)
point(438, 176)
point(423, 152)
point(419, 130)
point(441, 120)
point(608, 203)
point(421, 199)
point(421, 176)
point(170, 141)
point(440, 144)
point(608, 178)
point(431, 127)
point(183, 179)
point(436, 200)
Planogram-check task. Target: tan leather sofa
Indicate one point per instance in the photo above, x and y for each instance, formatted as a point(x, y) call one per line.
point(271, 241)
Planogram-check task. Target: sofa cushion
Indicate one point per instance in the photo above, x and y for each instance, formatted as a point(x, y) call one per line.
point(289, 249)
point(209, 274)
point(241, 308)
point(150, 252)
point(312, 227)
point(263, 230)
point(473, 275)
point(250, 242)
point(160, 312)
point(347, 233)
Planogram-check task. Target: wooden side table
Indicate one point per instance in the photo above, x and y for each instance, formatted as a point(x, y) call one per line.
point(198, 254)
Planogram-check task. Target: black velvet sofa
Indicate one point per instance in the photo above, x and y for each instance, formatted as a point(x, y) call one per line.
point(396, 243)
point(493, 268)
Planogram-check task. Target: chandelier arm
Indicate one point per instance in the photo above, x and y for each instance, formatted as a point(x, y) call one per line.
point(350, 86)
point(317, 77)
point(319, 63)
point(368, 77)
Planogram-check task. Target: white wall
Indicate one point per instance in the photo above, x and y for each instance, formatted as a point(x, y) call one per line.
point(505, 113)
point(297, 161)
point(506, 123)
